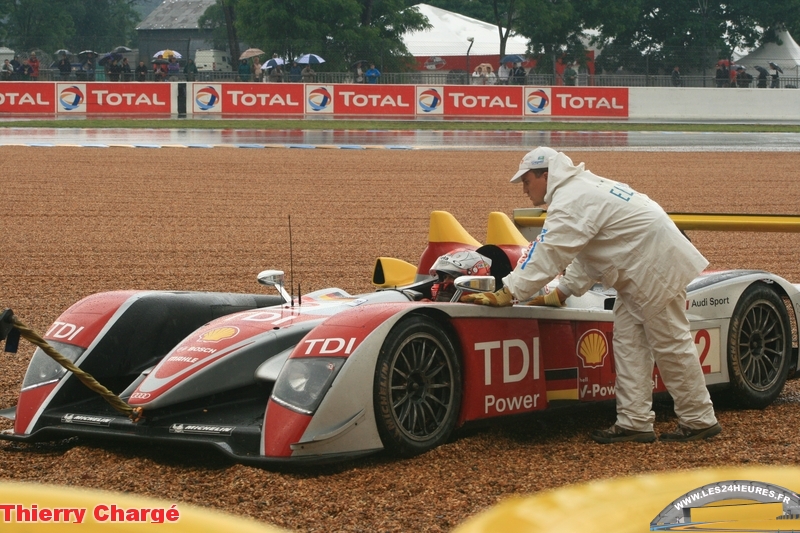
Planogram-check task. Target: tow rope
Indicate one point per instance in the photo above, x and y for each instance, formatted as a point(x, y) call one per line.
point(11, 328)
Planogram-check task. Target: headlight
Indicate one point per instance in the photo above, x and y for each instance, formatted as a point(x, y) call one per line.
point(43, 369)
point(302, 383)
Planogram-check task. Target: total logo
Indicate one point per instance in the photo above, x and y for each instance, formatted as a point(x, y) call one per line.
point(72, 98)
point(320, 99)
point(207, 98)
point(429, 100)
point(537, 101)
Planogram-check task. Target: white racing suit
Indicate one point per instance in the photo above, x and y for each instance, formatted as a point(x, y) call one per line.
point(600, 230)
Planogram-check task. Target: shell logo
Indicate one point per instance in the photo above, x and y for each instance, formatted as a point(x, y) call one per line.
point(592, 348)
point(219, 334)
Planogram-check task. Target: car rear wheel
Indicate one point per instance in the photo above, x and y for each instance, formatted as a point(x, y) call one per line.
point(759, 347)
point(417, 387)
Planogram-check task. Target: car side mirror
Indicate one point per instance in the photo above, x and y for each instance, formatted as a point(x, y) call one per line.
point(274, 278)
point(472, 284)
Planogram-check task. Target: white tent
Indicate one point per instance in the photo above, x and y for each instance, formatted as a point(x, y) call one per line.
point(449, 34)
point(786, 55)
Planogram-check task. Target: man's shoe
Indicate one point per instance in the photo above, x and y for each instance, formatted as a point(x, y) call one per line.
point(684, 434)
point(618, 434)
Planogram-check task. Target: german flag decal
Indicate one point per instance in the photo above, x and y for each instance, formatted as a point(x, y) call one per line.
point(562, 384)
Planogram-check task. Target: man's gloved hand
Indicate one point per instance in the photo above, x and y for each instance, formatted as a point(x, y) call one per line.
point(501, 298)
point(550, 299)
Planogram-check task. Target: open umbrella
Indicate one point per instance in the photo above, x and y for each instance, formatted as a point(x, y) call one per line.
point(160, 61)
point(87, 53)
point(359, 62)
point(309, 59)
point(776, 67)
point(513, 58)
point(251, 52)
point(63, 52)
point(166, 54)
point(272, 63)
point(111, 56)
point(762, 70)
point(121, 50)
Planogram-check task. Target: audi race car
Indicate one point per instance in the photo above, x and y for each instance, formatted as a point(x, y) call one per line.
point(279, 379)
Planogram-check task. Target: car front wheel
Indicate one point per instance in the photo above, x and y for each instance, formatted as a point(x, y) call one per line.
point(759, 347)
point(417, 389)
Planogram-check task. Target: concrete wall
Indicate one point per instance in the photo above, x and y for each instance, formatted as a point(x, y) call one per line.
point(667, 104)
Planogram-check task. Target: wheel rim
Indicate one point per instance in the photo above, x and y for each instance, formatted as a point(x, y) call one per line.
point(762, 340)
point(421, 387)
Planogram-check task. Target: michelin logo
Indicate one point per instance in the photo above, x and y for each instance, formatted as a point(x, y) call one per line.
point(86, 420)
point(196, 429)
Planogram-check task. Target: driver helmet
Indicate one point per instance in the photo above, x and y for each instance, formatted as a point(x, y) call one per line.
point(448, 267)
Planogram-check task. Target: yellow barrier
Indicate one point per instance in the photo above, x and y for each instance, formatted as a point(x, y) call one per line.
point(531, 218)
point(627, 505)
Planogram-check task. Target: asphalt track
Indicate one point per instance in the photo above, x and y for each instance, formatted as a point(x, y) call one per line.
point(645, 141)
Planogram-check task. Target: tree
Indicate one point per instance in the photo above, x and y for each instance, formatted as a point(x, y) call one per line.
point(103, 24)
point(341, 31)
point(74, 24)
point(30, 24)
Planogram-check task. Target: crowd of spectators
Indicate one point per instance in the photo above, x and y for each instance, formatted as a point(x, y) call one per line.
point(274, 71)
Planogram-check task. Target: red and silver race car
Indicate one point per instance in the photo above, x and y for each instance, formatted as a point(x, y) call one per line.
point(277, 379)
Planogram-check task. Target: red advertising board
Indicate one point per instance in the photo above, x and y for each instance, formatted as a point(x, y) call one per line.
point(483, 100)
point(27, 97)
point(356, 99)
point(590, 102)
point(116, 98)
point(262, 98)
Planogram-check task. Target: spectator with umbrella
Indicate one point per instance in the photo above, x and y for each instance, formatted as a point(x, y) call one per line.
point(127, 72)
point(160, 68)
point(64, 65)
point(775, 78)
point(358, 71)
point(761, 82)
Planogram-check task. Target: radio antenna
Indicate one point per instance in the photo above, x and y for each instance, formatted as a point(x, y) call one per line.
point(291, 262)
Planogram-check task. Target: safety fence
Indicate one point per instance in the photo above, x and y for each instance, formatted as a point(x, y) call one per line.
point(789, 81)
point(396, 101)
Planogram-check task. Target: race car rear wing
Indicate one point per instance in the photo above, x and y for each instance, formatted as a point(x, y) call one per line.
point(529, 220)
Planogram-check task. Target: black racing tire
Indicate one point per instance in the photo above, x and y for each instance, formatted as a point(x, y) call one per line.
point(417, 389)
point(759, 347)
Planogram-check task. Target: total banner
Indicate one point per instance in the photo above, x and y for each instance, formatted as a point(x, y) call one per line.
point(583, 102)
point(360, 99)
point(138, 99)
point(27, 98)
point(248, 98)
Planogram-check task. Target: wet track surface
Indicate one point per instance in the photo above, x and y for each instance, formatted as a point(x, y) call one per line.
point(408, 140)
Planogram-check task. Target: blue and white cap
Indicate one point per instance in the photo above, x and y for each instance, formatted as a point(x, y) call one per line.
point(537, 158)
